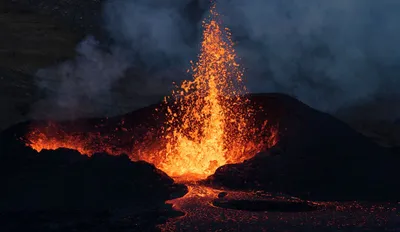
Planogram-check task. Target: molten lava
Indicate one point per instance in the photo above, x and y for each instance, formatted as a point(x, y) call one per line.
point(212, 126)
point(209, 121)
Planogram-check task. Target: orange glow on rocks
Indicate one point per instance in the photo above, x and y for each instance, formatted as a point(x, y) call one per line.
point(51, 137)
point(209, 121)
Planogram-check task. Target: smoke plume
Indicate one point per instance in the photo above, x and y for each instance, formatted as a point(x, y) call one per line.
point(331, 55)
point(76, 87)
point(153, 42)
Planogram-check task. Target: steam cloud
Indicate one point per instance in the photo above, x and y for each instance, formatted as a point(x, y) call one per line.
point(82, 83)
point(153, 44)
point(329, 54)
point(155, 30)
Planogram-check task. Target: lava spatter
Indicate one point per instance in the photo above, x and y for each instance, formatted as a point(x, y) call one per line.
point(209, 124)
point(209, 121)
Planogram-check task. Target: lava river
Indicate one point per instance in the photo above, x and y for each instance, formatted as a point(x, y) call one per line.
point(206, 210)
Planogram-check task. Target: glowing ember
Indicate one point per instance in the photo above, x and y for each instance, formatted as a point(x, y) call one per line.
point(212, 125)
point(209, 122)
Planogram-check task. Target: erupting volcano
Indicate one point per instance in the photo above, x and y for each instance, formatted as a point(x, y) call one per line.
point(209, 122)
point(199, 160)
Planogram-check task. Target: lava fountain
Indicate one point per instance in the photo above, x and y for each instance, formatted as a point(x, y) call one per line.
point(212, 126)
point(209, 121)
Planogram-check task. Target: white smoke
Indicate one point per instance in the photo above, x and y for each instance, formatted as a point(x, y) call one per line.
point(154, 29)
point(329, 54)
point(83, 84)
point(150, 50)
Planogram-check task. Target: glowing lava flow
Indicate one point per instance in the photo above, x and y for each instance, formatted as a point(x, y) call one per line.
point(209, 121)
point(202, 214)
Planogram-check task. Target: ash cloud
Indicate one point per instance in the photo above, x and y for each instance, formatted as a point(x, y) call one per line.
point(152, 44)
point(156, 30)
point(76, 87)
point(329, 54)
point(332, 55)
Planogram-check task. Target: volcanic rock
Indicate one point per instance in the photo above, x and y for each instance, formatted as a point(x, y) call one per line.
point(64, 190)
point(222, 194)
point(264, 205)
point(317, 157)
point(66, 180)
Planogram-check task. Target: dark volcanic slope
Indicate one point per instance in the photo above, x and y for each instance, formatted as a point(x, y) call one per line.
point(318, 157)
point(65, 180)
point(65, 190)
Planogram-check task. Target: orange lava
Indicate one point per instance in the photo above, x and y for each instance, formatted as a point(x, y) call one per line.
point(52, 136)
point(209, 122)
point(212, 127)
point(201, 215)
